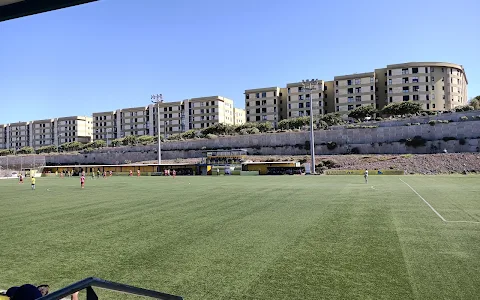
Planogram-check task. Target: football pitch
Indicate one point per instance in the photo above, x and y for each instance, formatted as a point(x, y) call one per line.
point(266, 237)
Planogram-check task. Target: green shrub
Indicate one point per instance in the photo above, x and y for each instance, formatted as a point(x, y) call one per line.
point(117, 142)
point(330, 163)
point(417, 141)
point(26, 150)
point(130, 140)
point(432, 122)
point(175, 137)
point(47, 149)
point(331, 145)
point(190, 134)
point(146, 139)
point(253, 131)
point(6, 152)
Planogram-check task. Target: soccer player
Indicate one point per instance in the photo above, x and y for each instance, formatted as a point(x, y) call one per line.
point(98, 173)
point(365, 175)
point(138, 173)
point(105, 174)
point(131, 173)
point(93, 174)
point(111, 173)
point(174, 173)
point(20, 178)
point(82, 181)
point(33, 183)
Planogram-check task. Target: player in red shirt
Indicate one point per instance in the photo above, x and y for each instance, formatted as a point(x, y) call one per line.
point(111, 173)
point(131, 173)
point(174, 173)
point(82, 181)
point(21, 179)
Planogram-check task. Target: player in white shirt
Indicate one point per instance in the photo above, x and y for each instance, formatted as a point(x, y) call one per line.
point(365, 175)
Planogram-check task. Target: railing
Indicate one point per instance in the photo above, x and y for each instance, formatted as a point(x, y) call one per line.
point(89, 283)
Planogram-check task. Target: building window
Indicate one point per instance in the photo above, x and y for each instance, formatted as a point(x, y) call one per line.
point(350, 99)
point(426, 87)
point(371, 97)
point(433, 96)
point(433, 87)
point(358, 81)
point(433, 79)
point(372, 79)
point(432, 69)
point(415, 97)
point(350, 107)
point(404, 71)
point(307, 104)
point(264, 95)
point(349, 82)
point(307, 96)
point(336, 83)
point(414, 79)
point(300, 89)
point(390, 90)
point(443, 70)
point(391, 99)
point(414, 70)
point(358, 90)
point(371, 88)
point(406, 98)
point(300, 97)
point(257, 95)
point(350, 91)
point(247, 96)
point(389, 72)
point(389, 82)
point(405, 80)
point(433, 105)
point(358, 98)
point(426, 69)
point(416, 88)
point(405, 89)
point(336, 100)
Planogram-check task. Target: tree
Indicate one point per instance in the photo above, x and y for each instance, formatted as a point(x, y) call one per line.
point(409, 107)
point(475, 102)
point(146, 139)
point(117, 142)
point(98, 144)
point(363, 111)
point(392, 109)
point(130, 140)
point(47, 149)
point(331, 119)
point(26, 150)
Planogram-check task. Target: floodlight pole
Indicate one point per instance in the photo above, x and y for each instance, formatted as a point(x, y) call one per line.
point(157, 99)
point(310, 86)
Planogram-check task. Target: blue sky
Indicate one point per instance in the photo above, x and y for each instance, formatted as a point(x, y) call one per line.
point(115, 53)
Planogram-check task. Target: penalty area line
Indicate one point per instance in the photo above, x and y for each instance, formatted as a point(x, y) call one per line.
point(434, 210)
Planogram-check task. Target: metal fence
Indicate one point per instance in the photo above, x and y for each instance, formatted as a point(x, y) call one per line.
point(10, 164)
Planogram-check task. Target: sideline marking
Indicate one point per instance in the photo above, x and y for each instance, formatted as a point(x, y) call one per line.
point(434, 210)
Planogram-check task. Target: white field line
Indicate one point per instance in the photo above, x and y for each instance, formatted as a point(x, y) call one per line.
point(434, 210)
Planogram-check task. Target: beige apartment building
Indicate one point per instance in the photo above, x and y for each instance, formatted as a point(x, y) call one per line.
point(437, 86)
point(298, 100)
point(18, 135)
point(105, 125)
point(206, 111)
point(3, 136)
point(355, 90)
point(175, 117)
point(265, 104)
point(43, 133)
point(74, 129)
point(238, 116)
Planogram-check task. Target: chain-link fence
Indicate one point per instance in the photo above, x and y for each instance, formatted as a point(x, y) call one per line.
point(15, 164)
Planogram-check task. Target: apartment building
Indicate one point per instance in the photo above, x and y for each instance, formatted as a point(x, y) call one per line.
point(18, 135)
point(435, 85)
point(206, 111)
point(43, 133)
point(355, 90)
point(238, 116)
point(264, 104)
point(3, 136)
point(74, 129)
point(298, 100)
point(106, 125)
point(134, 121)
point(172, 117)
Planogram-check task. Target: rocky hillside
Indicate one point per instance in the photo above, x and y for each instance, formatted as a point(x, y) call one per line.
point(412, 163)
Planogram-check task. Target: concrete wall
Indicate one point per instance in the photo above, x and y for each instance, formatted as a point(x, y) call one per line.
point(381, 140)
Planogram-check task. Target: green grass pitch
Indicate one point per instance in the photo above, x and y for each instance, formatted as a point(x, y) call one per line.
point(285, 237)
